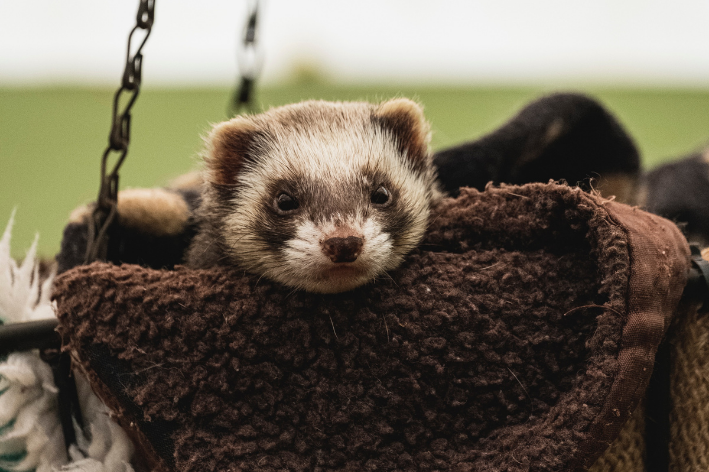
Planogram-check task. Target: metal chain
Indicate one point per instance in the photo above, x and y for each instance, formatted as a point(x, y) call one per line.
point(250, 60)
point(118, 139)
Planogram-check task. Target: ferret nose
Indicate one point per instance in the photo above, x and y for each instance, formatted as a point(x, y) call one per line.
point(343, 249)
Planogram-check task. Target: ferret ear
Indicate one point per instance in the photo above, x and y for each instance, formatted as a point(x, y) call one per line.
point(404, 119)
point(229, 145)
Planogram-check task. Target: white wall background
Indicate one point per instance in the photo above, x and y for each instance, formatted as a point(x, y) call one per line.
point(646, 42)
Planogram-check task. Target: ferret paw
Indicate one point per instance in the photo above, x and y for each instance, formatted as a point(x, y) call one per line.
point(153, 228)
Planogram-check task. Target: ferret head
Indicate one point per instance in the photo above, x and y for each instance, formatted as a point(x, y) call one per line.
point(321, 196)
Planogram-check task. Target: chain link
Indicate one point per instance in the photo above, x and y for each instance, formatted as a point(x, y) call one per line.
point(118, 139)
point(250, 61)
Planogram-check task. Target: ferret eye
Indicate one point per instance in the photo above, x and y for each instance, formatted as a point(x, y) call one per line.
point(286, 203)
point(380, 196)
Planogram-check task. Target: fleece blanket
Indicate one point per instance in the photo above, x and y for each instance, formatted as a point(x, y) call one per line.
point(520, 336)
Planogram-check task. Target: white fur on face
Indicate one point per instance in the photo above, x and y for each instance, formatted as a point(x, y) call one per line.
point(307, 267)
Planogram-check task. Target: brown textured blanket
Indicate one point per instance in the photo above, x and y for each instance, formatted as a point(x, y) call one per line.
point(520, 336)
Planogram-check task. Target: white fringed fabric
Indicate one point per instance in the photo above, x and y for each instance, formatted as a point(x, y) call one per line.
point(31, 437)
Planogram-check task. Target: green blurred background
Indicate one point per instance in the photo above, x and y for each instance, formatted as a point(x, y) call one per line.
point(51, 139)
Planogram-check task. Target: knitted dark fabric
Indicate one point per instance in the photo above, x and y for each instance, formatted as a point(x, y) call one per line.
point(519, 336)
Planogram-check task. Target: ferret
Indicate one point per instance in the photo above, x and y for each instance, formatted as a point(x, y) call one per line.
point(328, 160)
point(319, 196)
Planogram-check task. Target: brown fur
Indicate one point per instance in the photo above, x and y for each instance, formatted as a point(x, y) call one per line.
point(156, 211)
point(230, 145)
point(623, 187)
point(187, 182)
point(405, 120)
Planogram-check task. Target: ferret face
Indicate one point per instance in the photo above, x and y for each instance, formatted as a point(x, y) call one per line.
point(321, 196)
